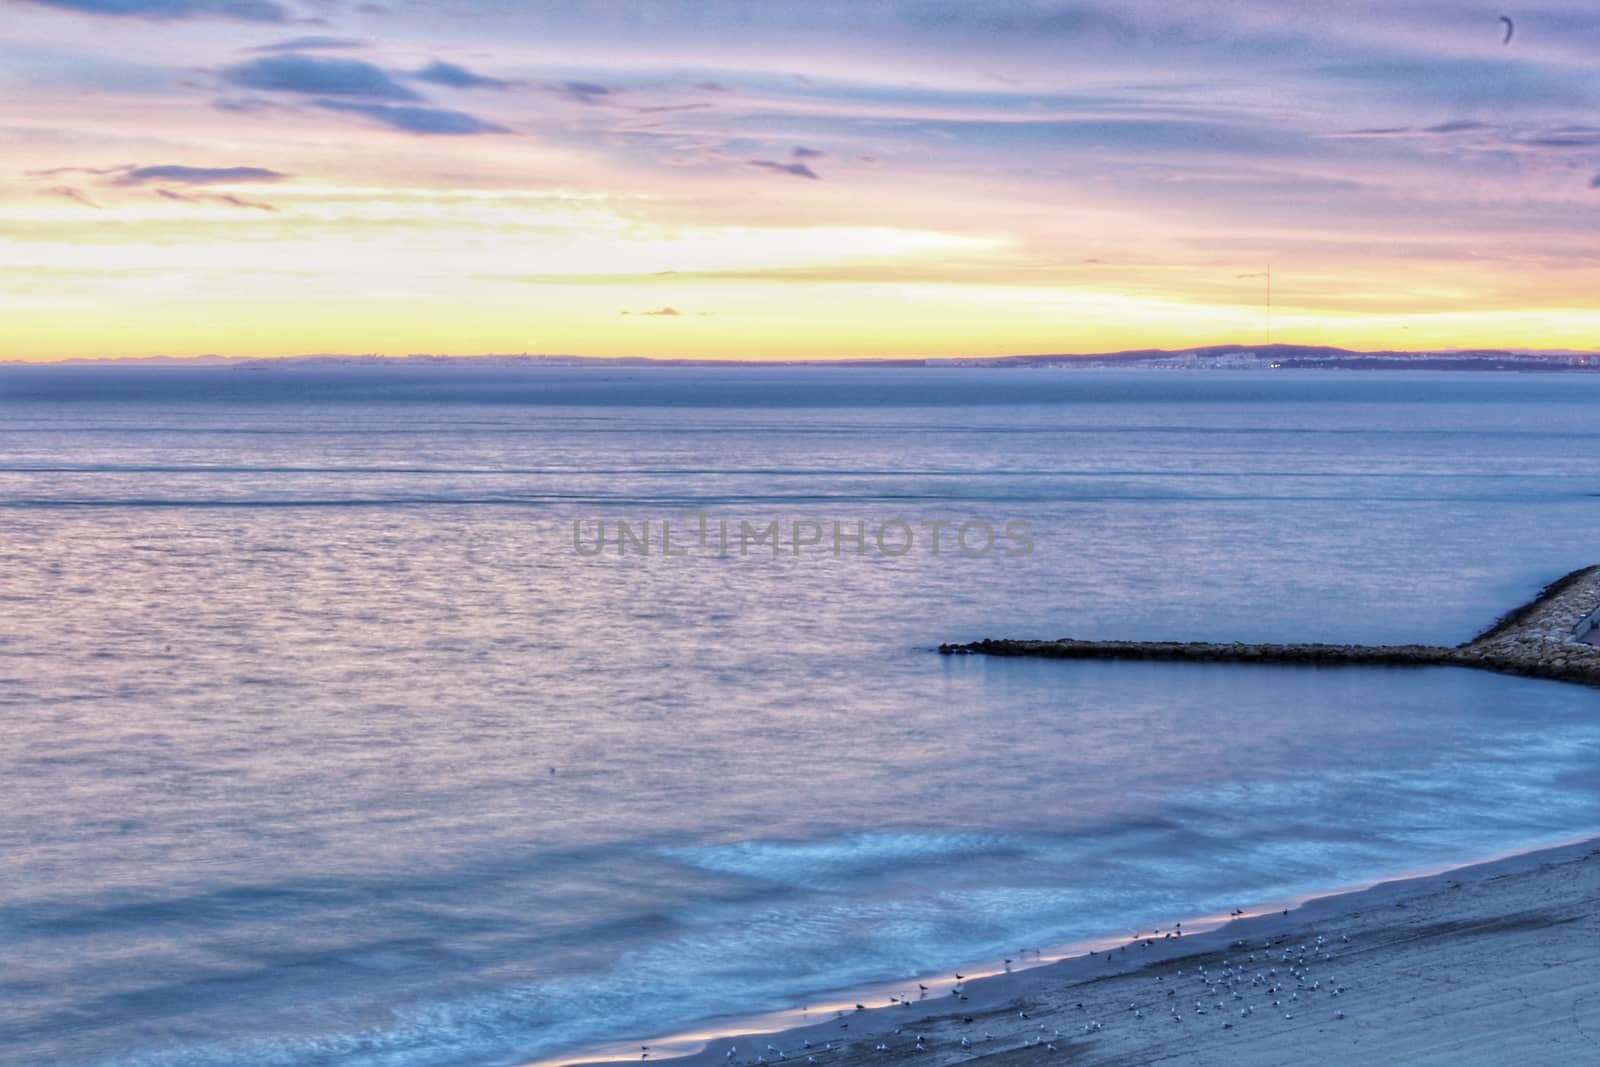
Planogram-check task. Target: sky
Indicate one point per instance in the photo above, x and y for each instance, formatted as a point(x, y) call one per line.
point(750, 179)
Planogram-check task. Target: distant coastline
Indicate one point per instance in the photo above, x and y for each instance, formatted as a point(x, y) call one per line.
point(1209, 357)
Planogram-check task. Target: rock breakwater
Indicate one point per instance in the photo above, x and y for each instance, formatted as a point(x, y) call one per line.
point(1536, 640)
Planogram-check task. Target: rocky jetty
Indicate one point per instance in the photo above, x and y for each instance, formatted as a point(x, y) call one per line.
point(1541, 639)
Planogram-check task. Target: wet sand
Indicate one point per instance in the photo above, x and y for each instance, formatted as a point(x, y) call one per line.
point(1491, 964)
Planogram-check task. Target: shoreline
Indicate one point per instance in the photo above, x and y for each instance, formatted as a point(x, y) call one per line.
point(1525, 893)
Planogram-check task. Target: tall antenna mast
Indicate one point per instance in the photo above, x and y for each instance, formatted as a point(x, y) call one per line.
point(1267, 274)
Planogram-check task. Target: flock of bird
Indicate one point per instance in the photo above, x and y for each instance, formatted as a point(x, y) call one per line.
point(1269, 977)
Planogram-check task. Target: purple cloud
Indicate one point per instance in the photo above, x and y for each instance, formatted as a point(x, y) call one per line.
point(197, 175)
point(294, 73)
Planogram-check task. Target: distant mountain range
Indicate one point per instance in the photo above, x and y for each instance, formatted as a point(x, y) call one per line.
point(1210, 357)
point(1323, 357)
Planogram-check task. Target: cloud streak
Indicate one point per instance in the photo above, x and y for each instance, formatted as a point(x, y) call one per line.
point(417, 120)
point(163, 10)
point(794, 170)
point(215, 198)
point(448, 74)
point(310, 44)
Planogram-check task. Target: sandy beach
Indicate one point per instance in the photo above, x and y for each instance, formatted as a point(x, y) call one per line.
point(1489, 964)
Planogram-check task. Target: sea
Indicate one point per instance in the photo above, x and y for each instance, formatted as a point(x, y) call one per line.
point(427, 715)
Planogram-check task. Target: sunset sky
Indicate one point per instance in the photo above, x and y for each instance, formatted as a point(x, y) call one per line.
point(740, 179)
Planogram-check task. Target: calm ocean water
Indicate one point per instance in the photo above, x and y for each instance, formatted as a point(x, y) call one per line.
point(327, 740)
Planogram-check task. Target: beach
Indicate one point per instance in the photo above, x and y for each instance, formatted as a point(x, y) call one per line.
point(1489, 964)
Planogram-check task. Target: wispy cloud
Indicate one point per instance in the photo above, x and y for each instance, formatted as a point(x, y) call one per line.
point(419, 120)
point(311, 44)
point(75, 195)
point(797, 170)
point(215, 198)
point(1572, 136)
point(584, 92)
point(448, 74)
point(52, 172)
point(247, 105)
point(666, 312)
point(313, 76)
point(246, 10)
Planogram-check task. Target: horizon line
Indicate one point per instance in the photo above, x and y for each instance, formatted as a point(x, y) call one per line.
point(1278, 347)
